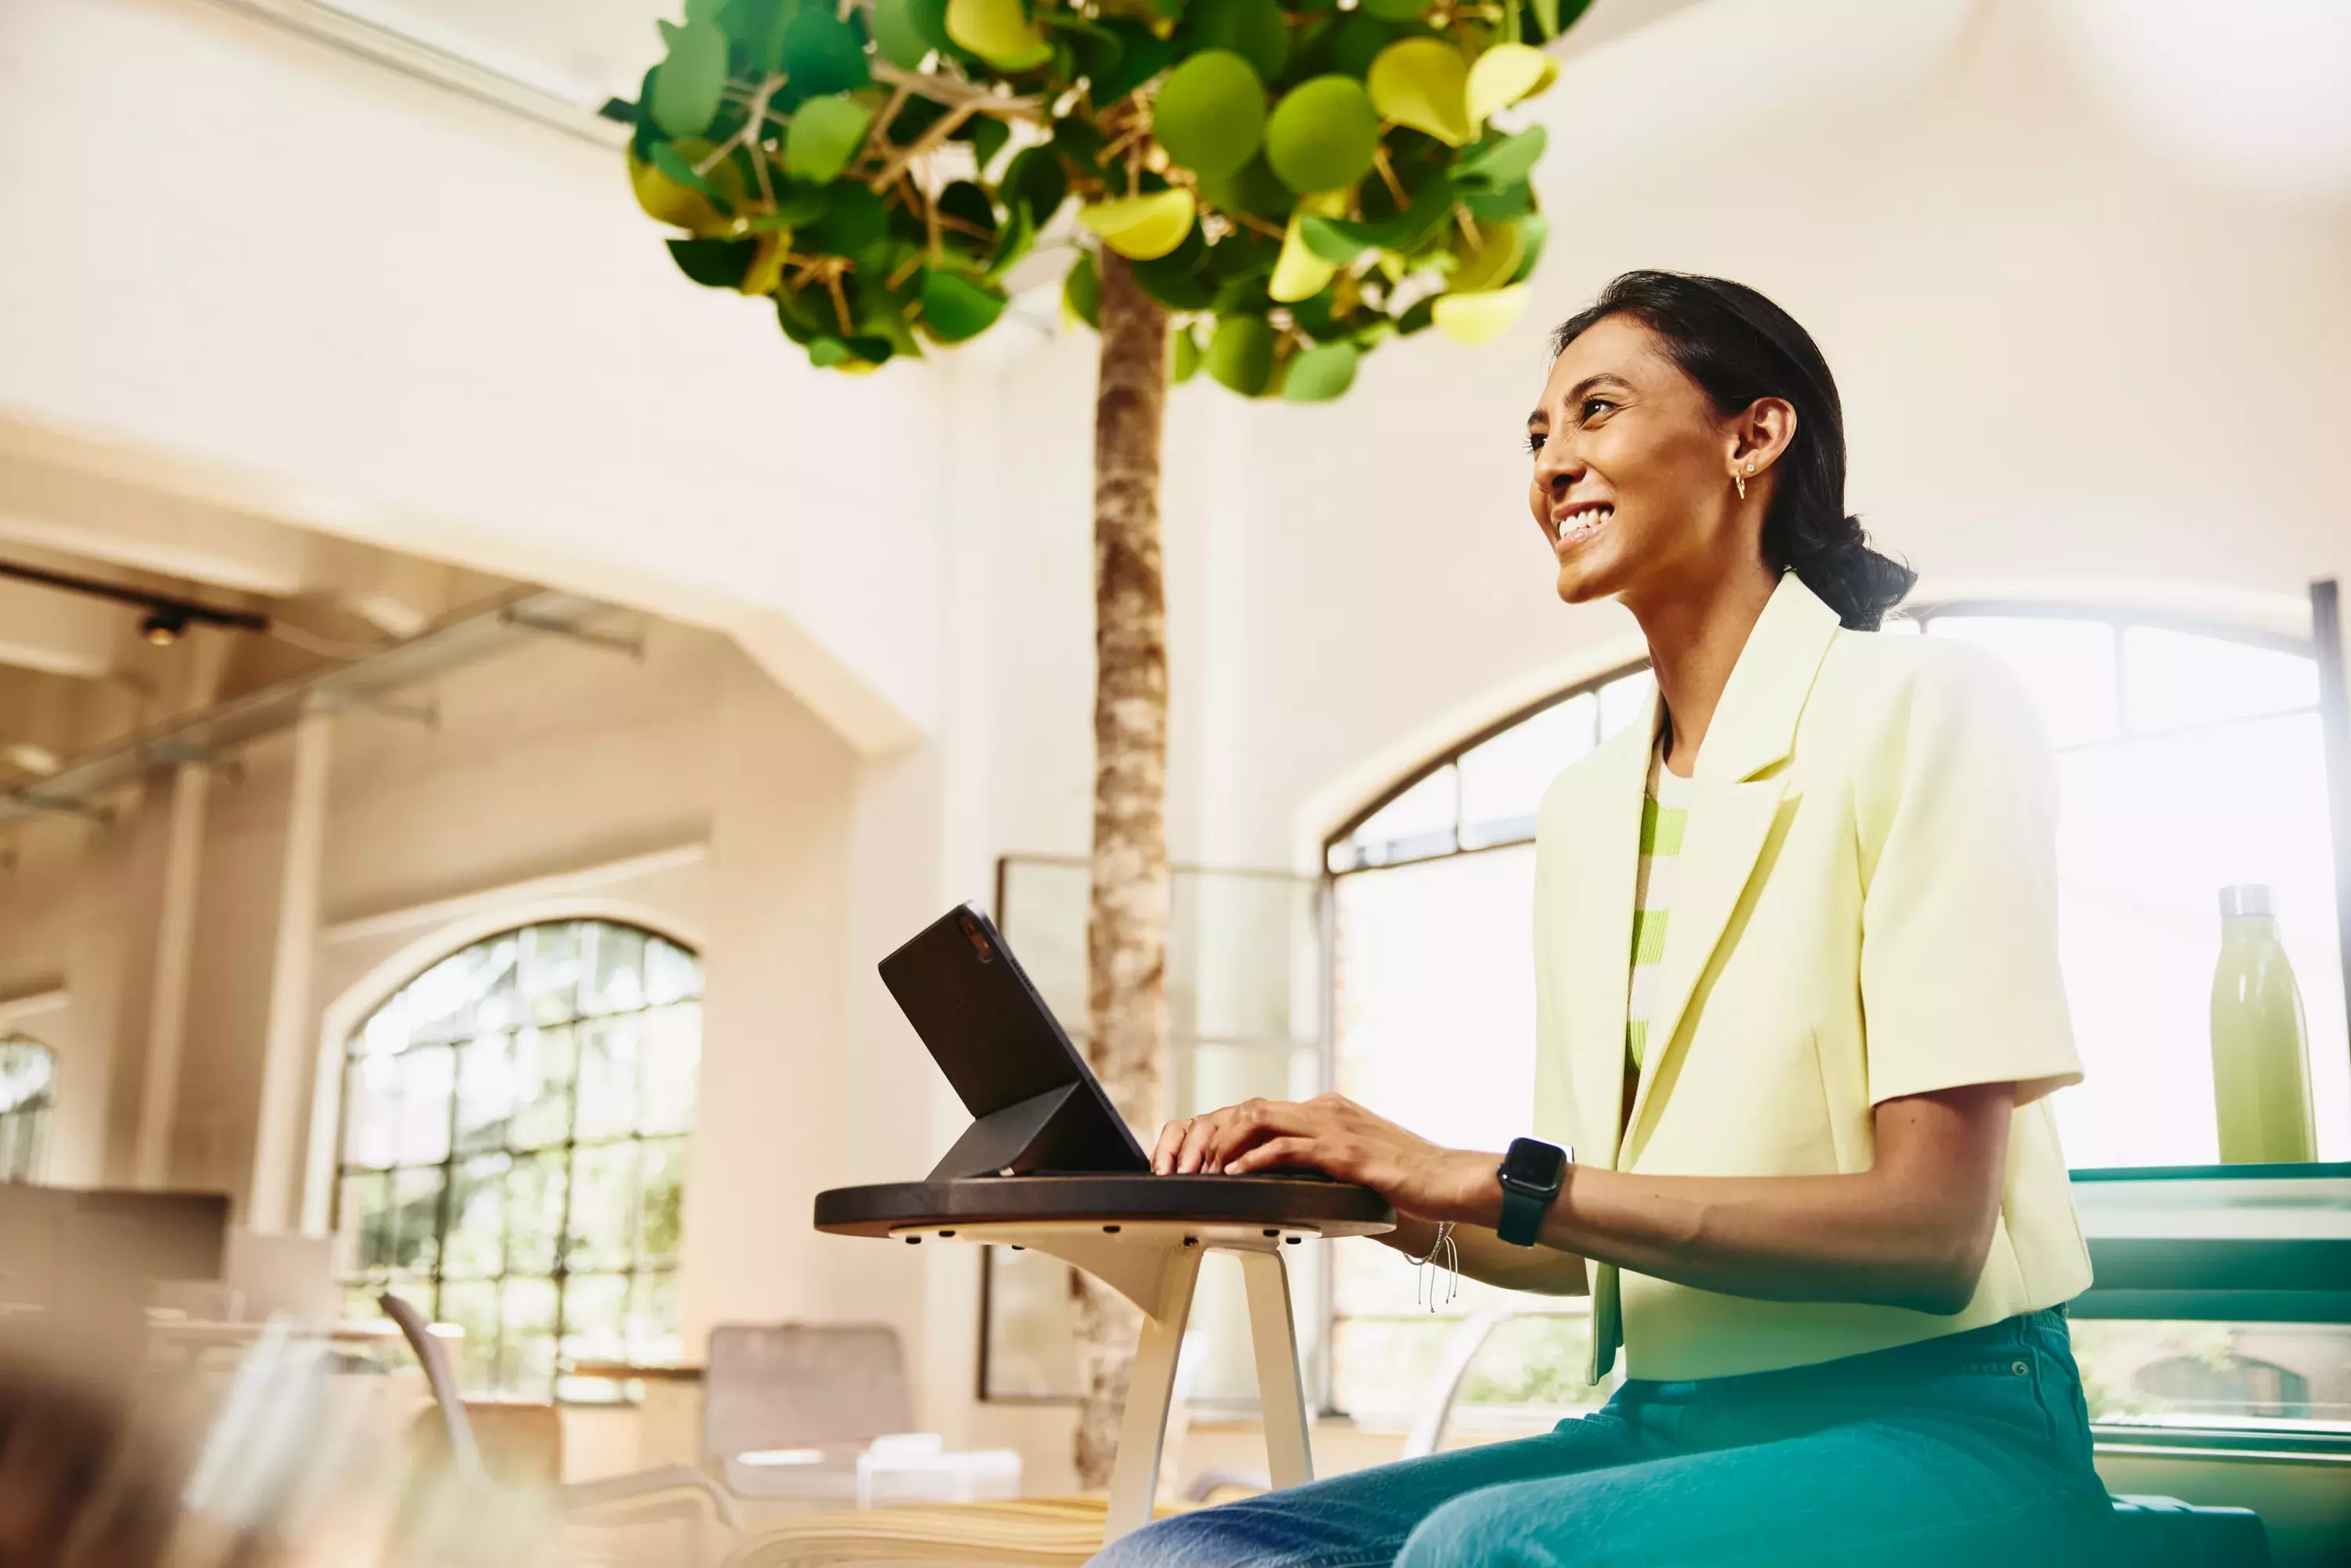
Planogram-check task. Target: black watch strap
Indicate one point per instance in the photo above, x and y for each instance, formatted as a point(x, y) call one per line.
point(1522, 1216)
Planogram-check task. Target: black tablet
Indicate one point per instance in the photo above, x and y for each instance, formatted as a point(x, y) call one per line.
point(1037, 1107)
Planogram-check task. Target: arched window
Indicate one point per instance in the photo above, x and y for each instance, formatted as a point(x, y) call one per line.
point(512, 1152)
point(2189, 758)
point(27, 1078)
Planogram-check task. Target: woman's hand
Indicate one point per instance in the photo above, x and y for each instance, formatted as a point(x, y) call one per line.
point(1338, 1137)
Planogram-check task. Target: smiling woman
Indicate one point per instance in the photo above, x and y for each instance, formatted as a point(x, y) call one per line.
point(1816, 1194)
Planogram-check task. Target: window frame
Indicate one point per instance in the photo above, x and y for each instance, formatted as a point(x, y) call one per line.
point(339, 1056)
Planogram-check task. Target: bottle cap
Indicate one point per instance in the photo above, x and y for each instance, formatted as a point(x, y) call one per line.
point(2244, 898)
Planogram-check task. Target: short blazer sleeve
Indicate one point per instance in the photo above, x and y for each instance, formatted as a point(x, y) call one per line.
point(1958, 818)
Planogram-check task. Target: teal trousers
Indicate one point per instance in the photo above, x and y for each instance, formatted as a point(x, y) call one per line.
point(1967, 1451)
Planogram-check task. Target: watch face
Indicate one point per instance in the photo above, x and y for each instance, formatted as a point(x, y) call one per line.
point(1531, 1163)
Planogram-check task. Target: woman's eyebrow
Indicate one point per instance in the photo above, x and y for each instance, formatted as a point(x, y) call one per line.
point(1590, 384)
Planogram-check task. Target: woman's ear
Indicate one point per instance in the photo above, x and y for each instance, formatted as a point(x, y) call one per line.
point(1760, 436)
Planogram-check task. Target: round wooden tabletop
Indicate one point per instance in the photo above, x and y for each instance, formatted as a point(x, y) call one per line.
point(1332, 1208)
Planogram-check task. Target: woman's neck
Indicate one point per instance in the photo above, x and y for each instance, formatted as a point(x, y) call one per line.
point(1694, 643)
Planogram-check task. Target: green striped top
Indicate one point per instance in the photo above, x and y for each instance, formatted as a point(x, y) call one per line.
point(1663, 815)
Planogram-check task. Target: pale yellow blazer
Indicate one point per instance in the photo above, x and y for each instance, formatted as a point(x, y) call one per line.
point(1866, 906)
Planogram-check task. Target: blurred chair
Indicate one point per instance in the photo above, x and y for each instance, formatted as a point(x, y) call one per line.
point(667, 1482)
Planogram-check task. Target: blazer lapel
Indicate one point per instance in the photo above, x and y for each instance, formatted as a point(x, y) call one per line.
point(1732, 812)
point(1596, 877)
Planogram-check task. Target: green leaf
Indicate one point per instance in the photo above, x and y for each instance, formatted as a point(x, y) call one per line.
point(1210, 112)
point(1424, 83)
point(854, 220)
point(823, 54)
point(1498, 163)
point(873, 347)
point(1497, 206)
point(1080, 142)
point(1184, 356)
point(930, 19)
point(1035, 181)
point(1418, 318)
point(989, 137)
point(826, 133)
point(1253, 29)
point(1324, 134)
point(1492, 264)
point(1018, 238)
point(1401, 232)
point(826, 351)
point(1256, 190)
point(1142, 228)
point(1241, 354)
point(997, 31)
point(1142, 54)
point(715, 263)
point(966, 203)
point(1357, 42)
point(794, 205)
point(690, 80)
point(677, 167)
point(1547, 16)
point(900, 35)
point(1319, 374)
point(1532, 232)
point(955, 308)
point(1505, 75)
point(1082, 292)
point(1177, 279)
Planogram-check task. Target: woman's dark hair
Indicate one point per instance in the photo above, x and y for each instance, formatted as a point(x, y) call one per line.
point(1739, 346)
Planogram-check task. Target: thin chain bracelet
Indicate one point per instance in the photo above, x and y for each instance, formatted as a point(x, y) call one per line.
point(1423, 1290)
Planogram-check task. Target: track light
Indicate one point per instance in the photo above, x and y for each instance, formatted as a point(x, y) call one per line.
point(164, 627)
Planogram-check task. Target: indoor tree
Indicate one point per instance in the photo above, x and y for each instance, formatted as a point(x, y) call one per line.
point(1265, 189)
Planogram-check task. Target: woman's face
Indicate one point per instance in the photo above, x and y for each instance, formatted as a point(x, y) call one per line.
point(1633, 471)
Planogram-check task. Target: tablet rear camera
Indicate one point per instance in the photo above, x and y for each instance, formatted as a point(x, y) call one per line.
point(979, 940)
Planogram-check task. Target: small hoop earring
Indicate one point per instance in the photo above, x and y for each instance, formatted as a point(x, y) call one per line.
point(1741, 480)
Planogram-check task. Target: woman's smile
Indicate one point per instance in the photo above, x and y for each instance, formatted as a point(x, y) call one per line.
point(1578, 523)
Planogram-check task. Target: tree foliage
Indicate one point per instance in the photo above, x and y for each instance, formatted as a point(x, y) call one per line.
point(1297, 184)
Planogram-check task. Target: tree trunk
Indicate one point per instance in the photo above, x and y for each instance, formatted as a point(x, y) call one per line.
point(1126, 922)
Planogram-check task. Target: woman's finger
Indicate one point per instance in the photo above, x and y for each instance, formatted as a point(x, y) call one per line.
point(1197, 1137)
point(1250, 1124)
point(1274, 1154)
point(1171, 1140)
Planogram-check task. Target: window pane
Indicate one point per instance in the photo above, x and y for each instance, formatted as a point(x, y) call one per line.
point(372, 1111)
point(24, 1072)
point(477, 1219)
point(652, 1319)
point(474, 1309)
point(534, 1213)
point(363, 1231)
point(485, 1092)
point(2216, 1374)
point(1502, 782)
point(661, 1203)
point(616, 971)
point(595, 1318)
point(603, 1206)
point(670, 1068)
point(2066, 667)
point(1624, 700)
point(426, 1075)
point(545, 1060)
point(527, 1323)
point(2150, 830)
point(671, 974)
point(417, 1203)
point(1416, 823)
point(607, 1078)
point(2174, 678)
point(549, 973)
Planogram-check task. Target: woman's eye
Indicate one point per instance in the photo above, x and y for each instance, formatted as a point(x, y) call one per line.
point(1590, 403)
point(1534, 442)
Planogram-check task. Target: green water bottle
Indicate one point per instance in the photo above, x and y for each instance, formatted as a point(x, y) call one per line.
point(2260, 1068)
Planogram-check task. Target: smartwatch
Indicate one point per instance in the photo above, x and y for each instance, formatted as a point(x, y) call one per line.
point(1531, 1174)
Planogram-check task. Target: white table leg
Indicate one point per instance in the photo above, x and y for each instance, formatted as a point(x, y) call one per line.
point(1281, 1393)
point(1150, 1388)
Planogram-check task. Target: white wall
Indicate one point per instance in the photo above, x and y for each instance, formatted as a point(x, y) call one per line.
point(369, 306)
